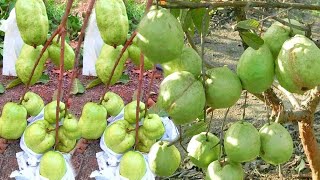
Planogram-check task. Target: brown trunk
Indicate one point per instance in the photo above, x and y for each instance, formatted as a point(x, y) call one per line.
point(310, 146)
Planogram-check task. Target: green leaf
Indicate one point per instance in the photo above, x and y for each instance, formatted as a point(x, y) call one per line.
point(94, 83)
point(13, 83)
point(195, 129)
point(197, 18)
point(301, 166)
point(175, 12)
point(124, 79)
point(156, 109)
point(44, 79)
point(77, 87)
point(251, 39)
point(249, 24)
point(2, 89)
point(187, 22)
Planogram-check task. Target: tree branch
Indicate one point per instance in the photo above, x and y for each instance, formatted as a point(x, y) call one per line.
point(313, 100)
point(172, 4)
point(290, 96)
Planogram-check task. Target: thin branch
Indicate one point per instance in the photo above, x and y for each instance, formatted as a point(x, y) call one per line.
point(172, 4)
point(245, 105)
point(222, 132)
point(148, 94)
point(290, 96)
point(313, 100)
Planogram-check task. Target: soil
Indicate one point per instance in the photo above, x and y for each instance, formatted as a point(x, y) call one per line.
point(222, 47)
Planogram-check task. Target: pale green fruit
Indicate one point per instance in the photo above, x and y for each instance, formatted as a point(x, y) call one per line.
point(54, 54)
point(50, 111)
point(105, 62)
point(224, 171)
point(203, 149)
point(153, 126)
point(160, 36)
point(26, 61)
point(40, 136)
point(130, 111)
point(93, 121)
point(119, 136)
point(298, 64)
point(164, 160)
point(113, 103)
point(276, 144)
point(112, 21)
point(133, 166)
point(33, 103)
point(223, 88)
point(134, 55)
point(242, 142)
point(72, 130)
point(256, 69)
point(182, 97)
point(32, 21)
point(144, 143)
point(13, 121)
point(65, 144)
point(189, 61)
point(53, 166)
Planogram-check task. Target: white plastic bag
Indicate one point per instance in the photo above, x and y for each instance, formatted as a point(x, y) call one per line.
point(12, 44)
point(108, 161)
point(91, 47)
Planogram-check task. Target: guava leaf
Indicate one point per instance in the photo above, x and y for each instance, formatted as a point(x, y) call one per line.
point(44, 79)
point(124, 79)
point(197, 18)
point(77, 87)
point(195, 129)
point(252, 39)
point(94, 83)
point(249, 24)
point(13, 83)
point(2, 89)
point(301, 166)
point(187, 22)
point(156, 109)
point(175, 12)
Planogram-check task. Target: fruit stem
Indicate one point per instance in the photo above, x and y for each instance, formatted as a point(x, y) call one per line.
point(245, 104)
point(222, 133)
point(148, 94)
point(77, 53)
point(138, 97)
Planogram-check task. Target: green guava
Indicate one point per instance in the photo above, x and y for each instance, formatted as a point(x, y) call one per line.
point(182, 97)
point(224, 171)
point(223, 87)
point(189, 61)
point(276, 143)
point(242, 142)
point(160, 36)
point(256, 69)
point(298, 64)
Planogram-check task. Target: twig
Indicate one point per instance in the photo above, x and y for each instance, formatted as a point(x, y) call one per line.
point(209, 124)
point(148, 94)
point(77, 53)
point(180, 140)
point(192, 44)
point(172, 4)
point(222, 132)
point(290, 96)
point(245, 105)
point(138, 97)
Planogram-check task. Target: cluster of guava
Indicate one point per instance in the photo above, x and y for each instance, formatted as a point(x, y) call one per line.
point(33, 25)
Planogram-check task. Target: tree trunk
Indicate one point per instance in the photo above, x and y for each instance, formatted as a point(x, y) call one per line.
point(310, 146)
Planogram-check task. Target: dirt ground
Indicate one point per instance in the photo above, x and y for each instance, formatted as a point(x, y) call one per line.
point(222, 47)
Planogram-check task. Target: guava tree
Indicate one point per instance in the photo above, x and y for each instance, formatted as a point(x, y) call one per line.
point(195, 16)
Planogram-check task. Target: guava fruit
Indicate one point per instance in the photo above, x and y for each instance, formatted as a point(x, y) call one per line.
point(50, 111)
point(298, 63)
point(276, 144)
point(130, 111)
point(242, 142)
point(119, 136)
point(53, 165)
point(93, 120)
point(160, 36)
point(13, 121)
point(144, 143)
point(153, 126)
point(133, 165)
point(71, 126)
point(189, 60)
point(65, 144)
point(113, 103)
point(203, 149)
point(54, 54)
point(256, 69)
point(164, 160)
point(33, 103)
point(107, 60)
point(182, 97)
point(112, 21)
point(224, 171)
point(278, 33)
point(223, 87)
point(32, 21)
point(134, 55)
point(25, 62)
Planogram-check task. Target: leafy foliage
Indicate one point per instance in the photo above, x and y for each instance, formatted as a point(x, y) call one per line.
point(135, 12)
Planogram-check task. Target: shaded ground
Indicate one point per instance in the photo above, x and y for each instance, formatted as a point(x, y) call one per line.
point(223, 47)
